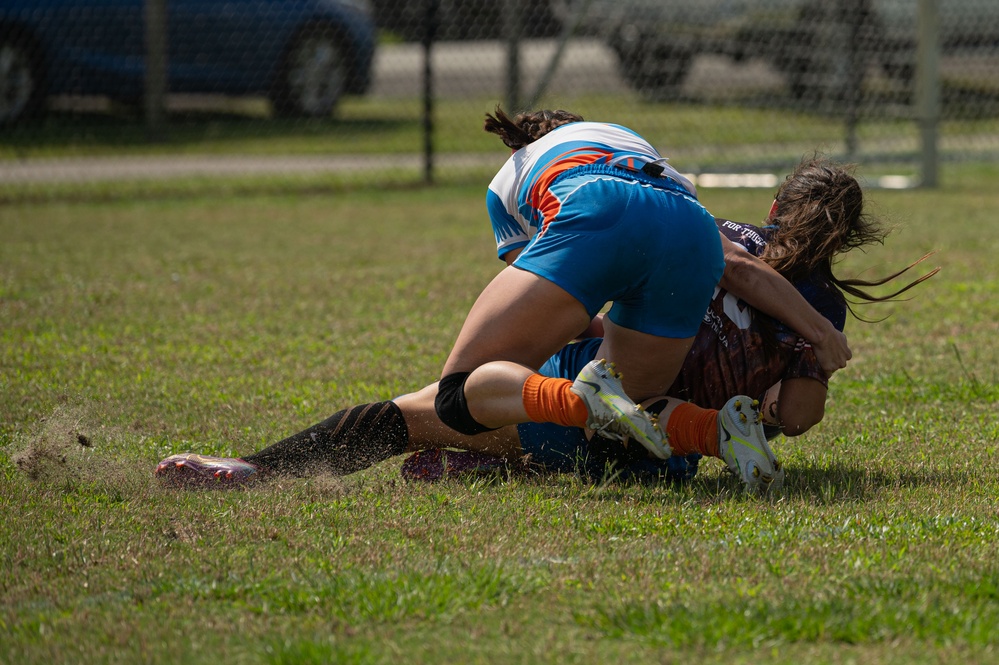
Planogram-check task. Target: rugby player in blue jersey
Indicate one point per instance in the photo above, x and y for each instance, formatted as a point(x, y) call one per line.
point(721, 420)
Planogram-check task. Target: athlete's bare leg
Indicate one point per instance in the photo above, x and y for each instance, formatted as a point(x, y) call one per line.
point(519, 317)
point(522, 319)
point(648, 364)
point(427, 431)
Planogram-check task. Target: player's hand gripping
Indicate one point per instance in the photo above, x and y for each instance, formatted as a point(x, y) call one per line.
point(832, 351)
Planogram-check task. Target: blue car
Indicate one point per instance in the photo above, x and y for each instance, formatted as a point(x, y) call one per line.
point(302, 54)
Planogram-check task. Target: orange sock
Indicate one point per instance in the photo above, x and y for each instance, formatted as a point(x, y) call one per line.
point(692, 429)
point(549, 400)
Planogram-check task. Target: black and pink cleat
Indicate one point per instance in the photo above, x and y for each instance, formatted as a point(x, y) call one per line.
point(193, 470)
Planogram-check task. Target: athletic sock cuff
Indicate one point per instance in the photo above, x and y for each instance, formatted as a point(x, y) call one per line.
point(550, 400)
point(692, 429)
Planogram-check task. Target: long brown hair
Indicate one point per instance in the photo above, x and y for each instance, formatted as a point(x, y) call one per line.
point(526, 127)
point(819, 214)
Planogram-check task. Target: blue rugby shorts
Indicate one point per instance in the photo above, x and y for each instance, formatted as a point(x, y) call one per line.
point(638, 241)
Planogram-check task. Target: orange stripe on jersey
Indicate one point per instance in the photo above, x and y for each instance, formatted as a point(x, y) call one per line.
point(542, 200)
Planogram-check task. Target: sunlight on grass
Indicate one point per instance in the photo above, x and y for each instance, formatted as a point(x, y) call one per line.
point(136, 328)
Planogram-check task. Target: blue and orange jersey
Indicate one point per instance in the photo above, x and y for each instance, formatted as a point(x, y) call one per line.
point(520, 201)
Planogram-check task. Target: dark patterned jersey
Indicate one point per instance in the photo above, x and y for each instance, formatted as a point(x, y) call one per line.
point(738, 351)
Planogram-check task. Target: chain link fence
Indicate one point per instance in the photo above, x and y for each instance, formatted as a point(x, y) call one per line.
point(158, 89)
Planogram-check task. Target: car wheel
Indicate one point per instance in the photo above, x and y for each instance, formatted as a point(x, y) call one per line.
point(22, 88)
point(817, 66)
point(830, 50)
point(313, 75)
point(653, 68)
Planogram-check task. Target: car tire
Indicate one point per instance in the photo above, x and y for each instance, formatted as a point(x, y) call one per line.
point(313, 74)
point(22, 80)
point(653, 68)
point(817, 66)
point(831, 48)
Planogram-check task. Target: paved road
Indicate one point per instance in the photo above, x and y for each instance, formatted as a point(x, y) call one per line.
point(161, 167)
point(479, 67)
point(585, 65)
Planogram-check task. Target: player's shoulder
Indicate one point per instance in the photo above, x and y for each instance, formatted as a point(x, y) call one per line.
point(595, 132)
point(753, 238)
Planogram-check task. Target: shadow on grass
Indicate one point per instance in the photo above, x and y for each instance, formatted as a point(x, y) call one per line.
point(119, 128)
point(841, 482)
point(837, 482)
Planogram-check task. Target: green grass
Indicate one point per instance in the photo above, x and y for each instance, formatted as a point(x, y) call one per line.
point(366, 126)
point(221, 323)
point(385, 126)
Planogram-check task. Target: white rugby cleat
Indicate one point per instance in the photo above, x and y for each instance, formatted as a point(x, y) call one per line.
point(613, 414)
point(743, 445)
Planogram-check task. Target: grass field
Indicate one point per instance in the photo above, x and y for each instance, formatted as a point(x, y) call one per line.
point(743, 133)
point(136, 329)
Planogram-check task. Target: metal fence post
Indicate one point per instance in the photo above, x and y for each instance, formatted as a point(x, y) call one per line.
point(513, 27)
point(429, 35)
point(156, 67)
point(928, 91)
point(853, 13)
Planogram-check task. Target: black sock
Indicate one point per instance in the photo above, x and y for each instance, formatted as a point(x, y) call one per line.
point(348, 441)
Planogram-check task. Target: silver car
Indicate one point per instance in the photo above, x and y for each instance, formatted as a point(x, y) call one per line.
point(823, 47)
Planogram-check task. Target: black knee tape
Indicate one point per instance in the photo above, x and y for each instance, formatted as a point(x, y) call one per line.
point(452, 408)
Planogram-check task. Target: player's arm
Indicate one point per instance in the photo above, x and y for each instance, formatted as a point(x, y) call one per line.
point(766, 290)
point(795, 405)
